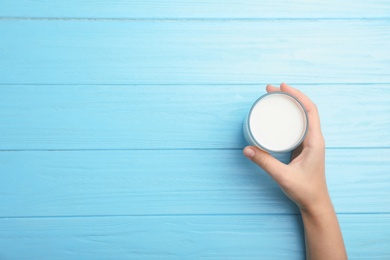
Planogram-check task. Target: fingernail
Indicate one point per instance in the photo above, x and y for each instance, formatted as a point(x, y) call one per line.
point(249, 152)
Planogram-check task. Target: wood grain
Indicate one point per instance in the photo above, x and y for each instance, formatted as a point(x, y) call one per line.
point(193, 52)
point(167, 237)
point(171, 117)
point(176, 182)
point(281, 9)
point(120, 126)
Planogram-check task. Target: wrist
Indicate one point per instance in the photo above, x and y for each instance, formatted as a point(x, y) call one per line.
point(317, 209)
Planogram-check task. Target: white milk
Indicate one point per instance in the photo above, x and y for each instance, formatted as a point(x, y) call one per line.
point(277, 122)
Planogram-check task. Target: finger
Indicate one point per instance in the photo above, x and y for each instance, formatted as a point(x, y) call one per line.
point(314, 136)
point(271, 88)
point(272, 166)
point(309, 105)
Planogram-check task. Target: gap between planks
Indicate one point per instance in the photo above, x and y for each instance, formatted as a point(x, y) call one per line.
point(171, 149)
point(166, 19)
point(203, 84)
point(181, 215)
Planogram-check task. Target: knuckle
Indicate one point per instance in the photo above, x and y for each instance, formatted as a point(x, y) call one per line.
point(262, 161)
point(321, 143)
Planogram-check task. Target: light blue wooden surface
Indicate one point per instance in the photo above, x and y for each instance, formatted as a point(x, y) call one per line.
point(120, 126)
point(194, 52)
point(184, 9)
point(156, 117)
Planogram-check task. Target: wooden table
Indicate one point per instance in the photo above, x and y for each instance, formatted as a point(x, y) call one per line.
point(120, 125)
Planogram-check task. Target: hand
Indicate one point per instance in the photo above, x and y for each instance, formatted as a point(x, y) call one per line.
point(303, 179)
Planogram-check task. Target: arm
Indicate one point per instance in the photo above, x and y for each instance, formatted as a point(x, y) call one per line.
point(303, 181)
point(322, 233)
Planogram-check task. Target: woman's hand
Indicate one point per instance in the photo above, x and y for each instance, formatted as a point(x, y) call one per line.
point(303, 181)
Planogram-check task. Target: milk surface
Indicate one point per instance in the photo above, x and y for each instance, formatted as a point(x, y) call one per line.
point(278, 122)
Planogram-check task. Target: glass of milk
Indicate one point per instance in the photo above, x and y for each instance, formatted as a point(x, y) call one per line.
point(277, 122)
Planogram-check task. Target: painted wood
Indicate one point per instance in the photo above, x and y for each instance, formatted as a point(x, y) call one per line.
point(281, 9)
point(170, 117)
point(189, 237)
point(193, 52)
point(124, 94)
point(176, 182)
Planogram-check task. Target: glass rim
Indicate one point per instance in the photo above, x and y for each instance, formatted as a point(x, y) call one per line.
point(304, 111)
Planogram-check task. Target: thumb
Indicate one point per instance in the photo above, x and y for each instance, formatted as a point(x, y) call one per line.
point(266, 161)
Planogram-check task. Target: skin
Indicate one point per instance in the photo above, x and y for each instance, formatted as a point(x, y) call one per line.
point(303, 181)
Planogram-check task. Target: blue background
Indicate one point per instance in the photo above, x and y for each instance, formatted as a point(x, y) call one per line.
point(120, 126)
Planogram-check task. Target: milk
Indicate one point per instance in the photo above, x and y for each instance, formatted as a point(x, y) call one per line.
point(277, 122)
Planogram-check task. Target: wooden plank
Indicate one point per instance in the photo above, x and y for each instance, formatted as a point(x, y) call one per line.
point(193, 52)
point(281, 9)
point(161, 237)
point(176, 182)
point(170, 117)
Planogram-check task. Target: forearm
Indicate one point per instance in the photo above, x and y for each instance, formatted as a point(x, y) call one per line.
point(322, 233)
